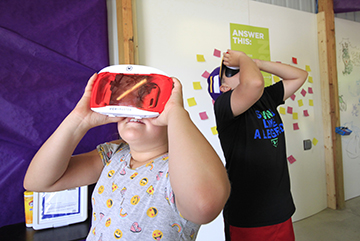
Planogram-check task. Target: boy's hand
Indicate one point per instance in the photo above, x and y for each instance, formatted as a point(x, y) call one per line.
point(174, 103)
point(232, 58)
point(83, 112)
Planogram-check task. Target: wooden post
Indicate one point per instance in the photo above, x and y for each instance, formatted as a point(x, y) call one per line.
point(330, 105)
point(127, 37)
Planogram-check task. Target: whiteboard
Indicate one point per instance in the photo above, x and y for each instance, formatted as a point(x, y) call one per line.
point(348, 68)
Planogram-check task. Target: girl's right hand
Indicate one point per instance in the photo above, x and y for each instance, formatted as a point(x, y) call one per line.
point(83, 113)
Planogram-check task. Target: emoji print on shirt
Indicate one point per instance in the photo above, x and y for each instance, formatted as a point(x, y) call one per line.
point(135, 228)
point(118, 234)
point(157, 235)
point(152, 212)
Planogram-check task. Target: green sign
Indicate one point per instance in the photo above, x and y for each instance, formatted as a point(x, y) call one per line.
point(254, 41)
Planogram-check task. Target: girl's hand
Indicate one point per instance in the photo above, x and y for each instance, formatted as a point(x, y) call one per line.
point(174, 103)
point(83, 112)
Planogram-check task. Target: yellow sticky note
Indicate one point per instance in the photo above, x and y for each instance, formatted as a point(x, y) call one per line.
point(310, 79)
point(214, 130)
point(307, 67)
point(300, 103)
point(197, 85)
point(314, 141)
point(311, 102)
point(282, 110)
point(295, 115)
point(191, 101)
point(276, 79)
point(200, 58)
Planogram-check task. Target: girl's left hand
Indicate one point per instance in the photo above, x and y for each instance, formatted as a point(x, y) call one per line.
point(175, 102)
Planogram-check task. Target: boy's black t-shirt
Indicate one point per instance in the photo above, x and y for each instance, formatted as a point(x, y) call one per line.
point(254, 148)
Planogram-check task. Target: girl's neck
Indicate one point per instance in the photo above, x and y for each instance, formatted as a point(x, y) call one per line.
point(140, 158)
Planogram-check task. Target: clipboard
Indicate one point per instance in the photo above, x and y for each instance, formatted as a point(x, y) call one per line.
point(57, 209)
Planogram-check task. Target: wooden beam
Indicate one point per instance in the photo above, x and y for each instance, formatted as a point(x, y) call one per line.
point(330, 104)
point(127, 37)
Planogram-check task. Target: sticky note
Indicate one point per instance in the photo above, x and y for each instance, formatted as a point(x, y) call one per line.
point(295, 115)
point(205, 74)
point(197, 85)
point(310, 90)
point(291, 159)
point(217, 53)
point(314, 141)
point(307, 68)
point(191, 102)
point(276, 78)
point(294, 60)
point(310, 79)
point(289, 110)
point(311, 102)
point(200, 58)
point(296, 126)
point(293, 97)
point(282, 110)
point(300, 103)
point(306, 113)
point(303, 92)
point(203, 115)
point(214, 130)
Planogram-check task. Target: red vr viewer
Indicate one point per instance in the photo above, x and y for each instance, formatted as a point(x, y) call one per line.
point(130, 91)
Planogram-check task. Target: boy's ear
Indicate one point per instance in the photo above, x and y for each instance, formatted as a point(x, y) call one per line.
point(224, 88)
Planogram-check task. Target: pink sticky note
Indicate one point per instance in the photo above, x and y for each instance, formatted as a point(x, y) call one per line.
point(303, 92)
point(310, 90)
point(296, 126)
point(293, 97)
point(291, 159)
point(289, 110)
point(203, 115)
point(306, 113)
point(217, 53)
point(294, 60)
point(205, 74)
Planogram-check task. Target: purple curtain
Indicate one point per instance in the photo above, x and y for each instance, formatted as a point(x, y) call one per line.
point(48, 50)
point(343, 6)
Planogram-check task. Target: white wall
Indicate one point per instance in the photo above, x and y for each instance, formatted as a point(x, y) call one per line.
point(171, 34)
point(349, 90)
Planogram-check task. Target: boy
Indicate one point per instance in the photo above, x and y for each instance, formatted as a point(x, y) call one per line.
point(252, 137)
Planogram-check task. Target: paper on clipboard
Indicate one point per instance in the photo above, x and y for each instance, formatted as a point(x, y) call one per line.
point(56, 209)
